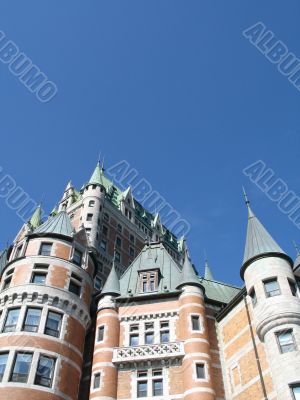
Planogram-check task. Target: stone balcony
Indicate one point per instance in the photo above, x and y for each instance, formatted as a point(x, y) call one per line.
point(160, 351)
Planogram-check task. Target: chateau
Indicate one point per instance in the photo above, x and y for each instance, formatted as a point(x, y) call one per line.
point(102, 302)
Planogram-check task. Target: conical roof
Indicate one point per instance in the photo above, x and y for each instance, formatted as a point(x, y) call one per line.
point(188, 273)
point(60, 224)
point(112, 284)
point(96, 178)
point(259, 242)
point(35, 220)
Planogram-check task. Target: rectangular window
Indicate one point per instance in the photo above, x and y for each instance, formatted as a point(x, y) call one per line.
point(77, 257)
point(103, 245)
point(53, 324)
point(21, 367)
point(97, 283)
point(11, 320)
point(286, 341)
point(3, 362)
point(89, 217)
point(7, 283)
point(142, 389)
point(32, 320)
point(106, 217)
point(104, 230)
point(134, 340)
point(293, 287)
point(200, 371)
point(149, 333)
point(100, 334)
point(148, 281)
point(38, 278)
point(131, 238)
point(45, 249)
point(252, 294)
point(131, 252)
point(119, 227)
point(296, 391)
point(157, 387)
point(45, 370)
point(74, 288)
point(118, 241)
point(195, 323)
point(117, 256)
point(97, 378)
point(18, 251)
point(164, 332)
point(272, 287)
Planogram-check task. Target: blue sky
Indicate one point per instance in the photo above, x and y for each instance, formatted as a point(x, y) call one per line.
point(172, 87)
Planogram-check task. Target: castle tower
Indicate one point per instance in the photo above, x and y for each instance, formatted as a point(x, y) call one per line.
point(270, 283)
point(196, 365)
point(93, 194)
point(104, 380)
point(67, 198)
point(44, 303)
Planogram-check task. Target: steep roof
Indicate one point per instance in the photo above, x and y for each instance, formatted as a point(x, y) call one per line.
point(219, 291)
point(3, 260)
point(59, 224)
point(112, 284)
point(153, 256)
point(188, 273)
point(207, 272)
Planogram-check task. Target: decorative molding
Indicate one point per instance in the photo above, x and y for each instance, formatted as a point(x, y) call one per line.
point(166, 314)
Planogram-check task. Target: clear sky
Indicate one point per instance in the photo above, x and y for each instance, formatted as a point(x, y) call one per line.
point(172, 87)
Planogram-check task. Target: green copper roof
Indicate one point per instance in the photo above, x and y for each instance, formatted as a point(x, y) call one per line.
point(3, 260)
point(153, 257)
point(112, 284)
point(60, 224)
point(218, 291)
point(258, 240)
point(53, 212)
point(35, 220)
point(188, 274)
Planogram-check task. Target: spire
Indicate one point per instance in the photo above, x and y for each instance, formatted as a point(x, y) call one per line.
point(207, 272)
point(297, 260)
point(54, 211)
point(69, 186)
point(112, 284)
point(35, 220)
point(258, 241)
point(189, 276)
point(96, 177)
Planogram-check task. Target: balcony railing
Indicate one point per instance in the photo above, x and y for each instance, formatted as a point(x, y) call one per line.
point(147, 352)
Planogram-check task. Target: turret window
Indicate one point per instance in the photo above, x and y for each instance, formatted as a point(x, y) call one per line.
point(38, 278)
point(286, 341)
point(11, 320)
point(45, 249)
point(296, 391)
point(200, 371)
point(21, 367)
point(272, 287)
point(7, 283)
point(100, 334)
point(195, 322)
point(89, 217)
point(32, 320)
point(252, 294)
point(3, 362)
point(91, 203)
point(97, 380)
point(19, 251)
point(77, 257)
point(53, 324)
point(293, 287)
point(45, 370)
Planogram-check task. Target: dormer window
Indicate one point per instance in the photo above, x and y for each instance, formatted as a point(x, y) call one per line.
point(148, 281)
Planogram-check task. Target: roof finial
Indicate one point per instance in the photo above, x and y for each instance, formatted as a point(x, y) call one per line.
point(99, 158)
point(246, 197)
point(296, 247)
point(102, 167)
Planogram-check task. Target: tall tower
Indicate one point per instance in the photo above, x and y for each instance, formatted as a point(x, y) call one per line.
point(45, 311)
point(270, 283)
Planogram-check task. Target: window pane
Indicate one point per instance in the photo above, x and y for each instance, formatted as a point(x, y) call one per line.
point(97, 381)
point(158, 387)
point(77, 257)
point(142, 389)
point(11, 320)
point(53, 324)
point(164, 337)
point(149, 338)
point(286, 341)
point(272, 288)
point(21, 367)
point(293, 288)
point(46, 249)
point(195, 323)
point(100, 333)
point(32, 320)
point(74, 288)
point(296, 391)
point(3, 361)
point(200, 369)
point(38, 278)
point(44, 371)
point(134, 340)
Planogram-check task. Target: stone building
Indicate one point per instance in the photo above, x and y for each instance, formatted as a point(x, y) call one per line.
point(101, 301)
